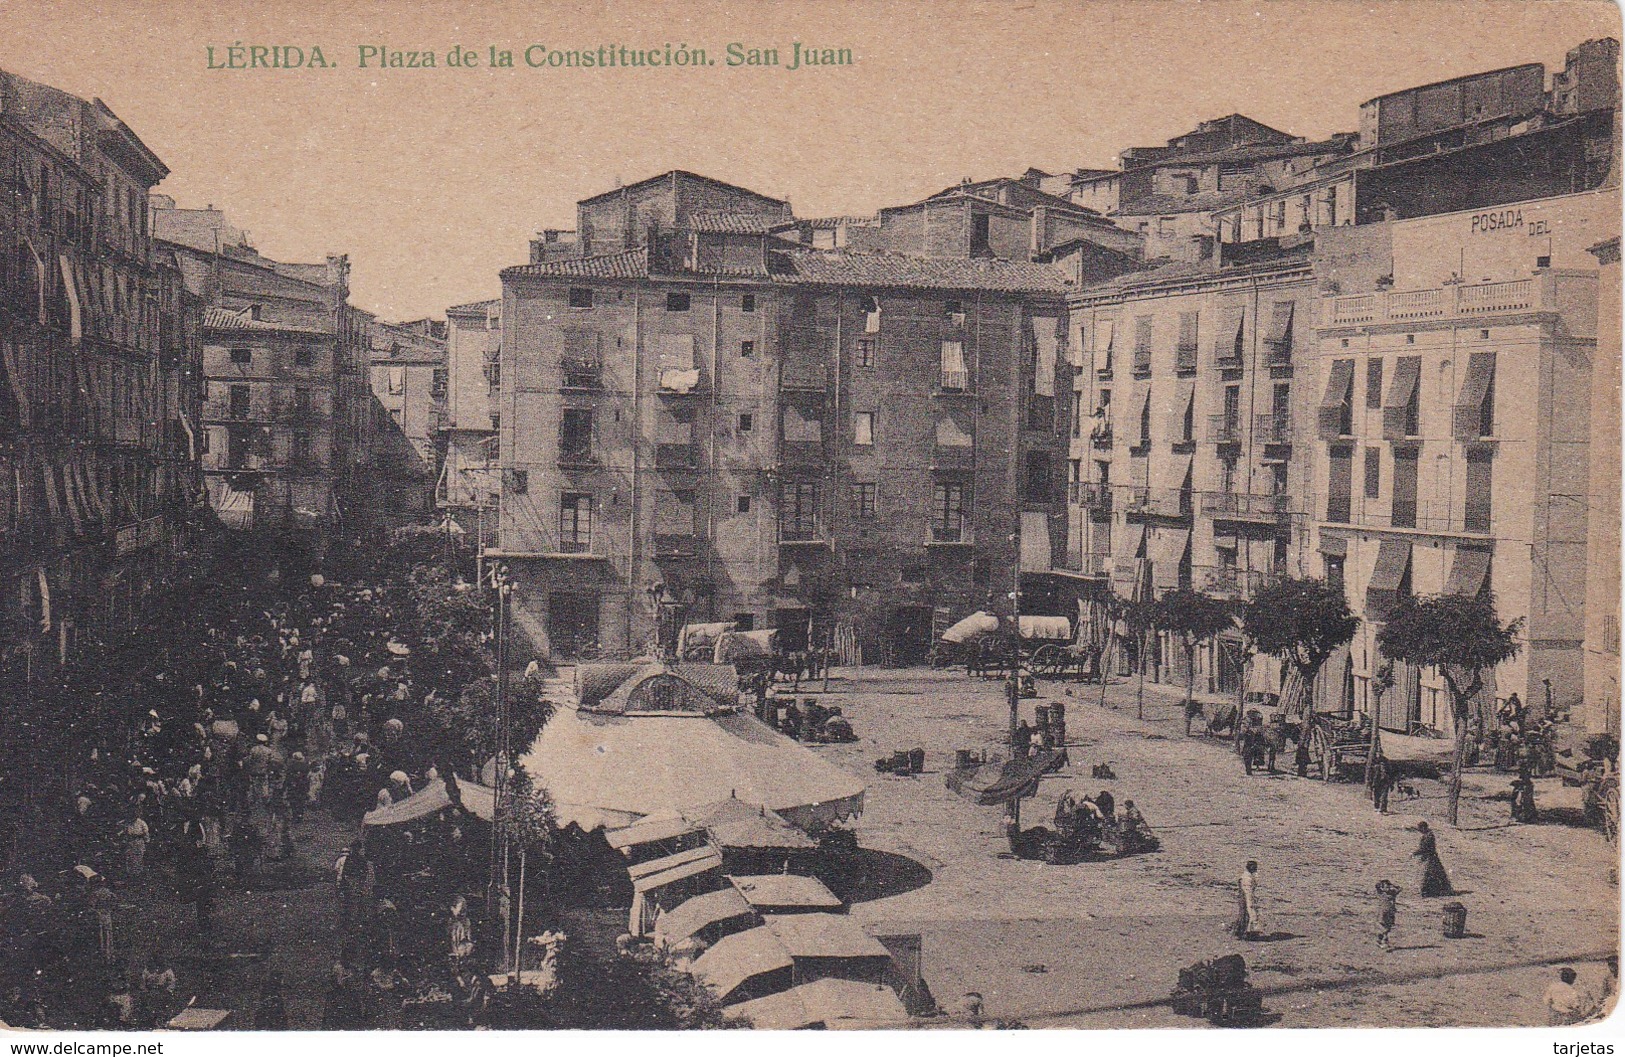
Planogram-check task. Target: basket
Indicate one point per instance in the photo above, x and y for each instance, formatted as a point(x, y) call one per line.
point(1455, 921)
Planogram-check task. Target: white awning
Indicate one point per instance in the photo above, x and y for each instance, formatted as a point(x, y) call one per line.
point(1035, 542)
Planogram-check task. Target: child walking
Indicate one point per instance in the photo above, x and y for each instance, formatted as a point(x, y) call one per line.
point(1387, 912)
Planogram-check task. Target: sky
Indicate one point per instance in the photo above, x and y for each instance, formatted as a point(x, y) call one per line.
point(432, 180)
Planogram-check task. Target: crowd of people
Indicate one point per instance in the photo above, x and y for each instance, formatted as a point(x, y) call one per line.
point(243, 710)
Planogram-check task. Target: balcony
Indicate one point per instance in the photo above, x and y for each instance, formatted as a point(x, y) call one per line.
point(1142, 363)
point(1141, 503)
point(1230, 582)
point(954, 383)
point(1101, 438)
point(590, 545)
point(1445, 302)
point(679, 456)
point(581, 458)
point(1093, 497)
point(1442, 519)
point(1224, 429)
point(581, 374)
point(803, 532)
point(951, 535)
point(1240, 506)
point(803, 452)
point(1273, 428)
point(677, 544)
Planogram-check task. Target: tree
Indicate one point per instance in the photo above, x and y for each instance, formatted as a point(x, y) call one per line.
point(1194, 617)
point(1305, 621)
point(525, 821)
point(1139, 617)
point(1461, 637)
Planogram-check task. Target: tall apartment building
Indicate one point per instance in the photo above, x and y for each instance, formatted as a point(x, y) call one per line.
point(100, 350)
point(772, 434)
point(470, 472)
point(1454, 440)
point(1414, 420)
point(411, 382)
point(1188, 466)
point(286, 437)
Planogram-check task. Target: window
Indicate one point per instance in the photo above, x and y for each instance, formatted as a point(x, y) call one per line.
point(301, 402)
point(518, 482)
point(1339, 484)
point(1404, 511)
point(747, 422)
point(575, 522)
point(437, 382)
point(676, 302)
point(301, 448)
point(747, 349)
point(742, 504)
point(744, 621)
point(863, 499)
point(747, 303)
point(871, 315)
point(1373, 472)
point(1478, 491)
point(580, 297)
point(1373, 383)
point(948, 513)
point(866, 352)
point(575, 435)
point(863, 428)
point(304, 357)
point(954, 312)
point(238, 395)
point(397, 381)
point(798, 511)
point(242, 357)
point(981, 242)
point(1037, 484)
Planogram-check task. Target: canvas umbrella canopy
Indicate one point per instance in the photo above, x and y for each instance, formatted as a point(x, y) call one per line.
point(980, 622)
point(671, 746)
point(479, 800)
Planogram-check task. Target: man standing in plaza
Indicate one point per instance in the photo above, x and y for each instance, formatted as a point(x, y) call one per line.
point(1249, 923)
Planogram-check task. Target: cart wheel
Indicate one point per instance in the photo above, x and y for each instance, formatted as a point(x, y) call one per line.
point(1047, 661)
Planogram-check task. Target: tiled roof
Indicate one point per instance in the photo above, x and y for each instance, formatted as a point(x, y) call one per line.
point(481, 307)
point(718, 222)
point(1197, 203)
point(826, 268)
point(226, 319)
point(878, 269)
point(820, 223)
point(626, 264)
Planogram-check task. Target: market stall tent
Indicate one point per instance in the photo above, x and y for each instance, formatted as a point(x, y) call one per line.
point(676, 740)
point(478, 800)
point(827, 1003)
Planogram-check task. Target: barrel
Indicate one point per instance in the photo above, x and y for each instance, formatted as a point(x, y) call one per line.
point(1455, 921)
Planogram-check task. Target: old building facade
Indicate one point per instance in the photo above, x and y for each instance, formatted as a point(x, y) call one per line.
point(775, 435)
point(470, 472)
point(100, 350)
point(287, 434)
point(1453, 440)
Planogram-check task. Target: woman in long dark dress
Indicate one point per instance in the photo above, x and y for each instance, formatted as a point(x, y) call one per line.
point(1431, 878)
